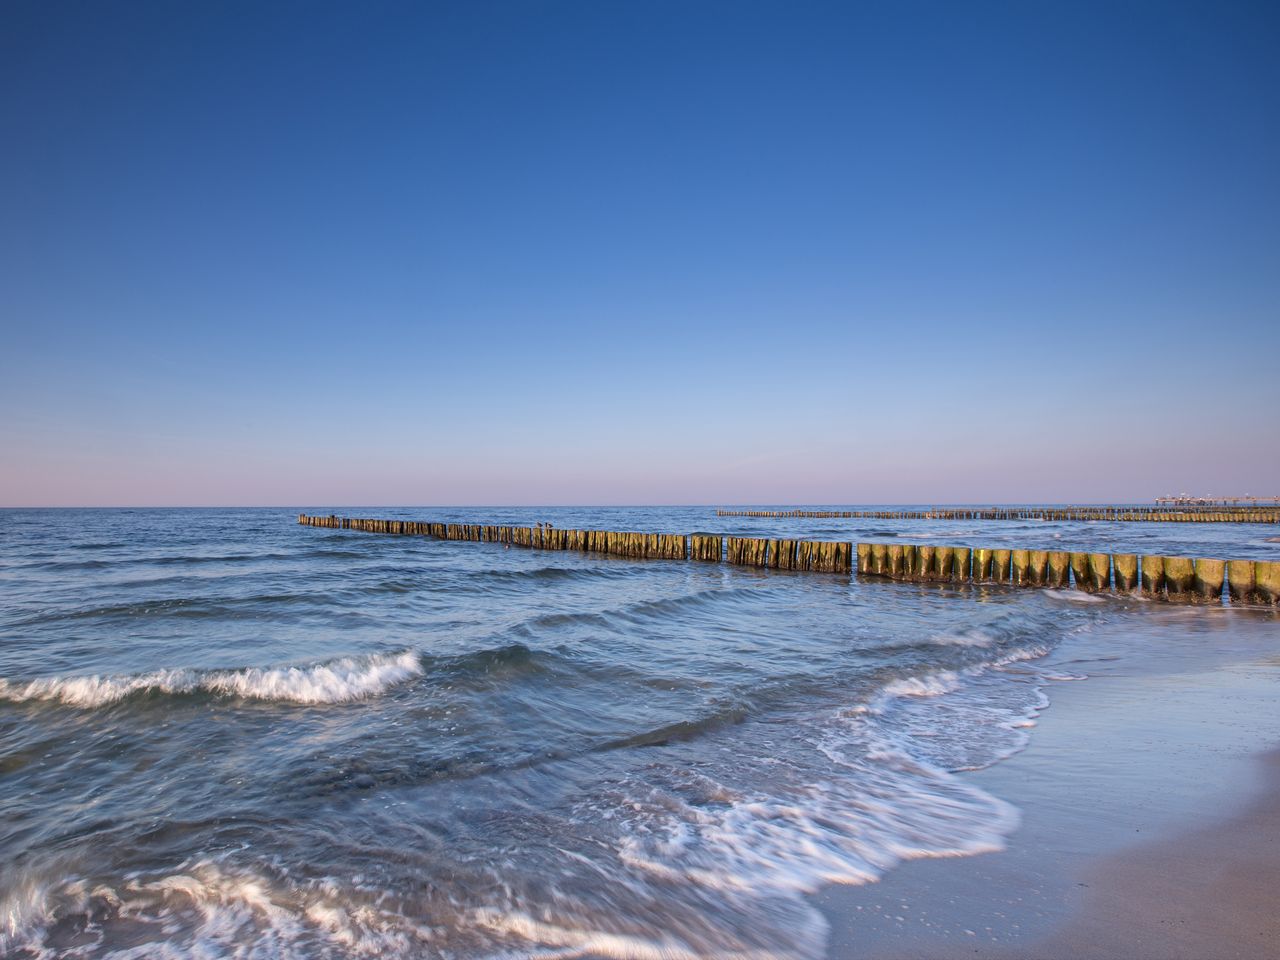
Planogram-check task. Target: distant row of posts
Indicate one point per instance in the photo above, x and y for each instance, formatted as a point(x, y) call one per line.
point(1180, 579)
point(1251, 514)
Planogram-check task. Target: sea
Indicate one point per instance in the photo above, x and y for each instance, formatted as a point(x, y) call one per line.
point(223, 734)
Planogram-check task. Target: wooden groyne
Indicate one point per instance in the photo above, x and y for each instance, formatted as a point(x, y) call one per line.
point(1185, 579)
point(1181, 579)
point(1223, 514)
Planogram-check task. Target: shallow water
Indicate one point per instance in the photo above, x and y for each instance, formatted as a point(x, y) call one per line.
point(223, 734)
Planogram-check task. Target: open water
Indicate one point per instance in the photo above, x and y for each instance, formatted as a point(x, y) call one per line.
point(226, 735)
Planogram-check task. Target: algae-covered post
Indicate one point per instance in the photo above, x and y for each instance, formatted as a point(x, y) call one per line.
point(1179, 573)
point(1267, 581)
point(1125, 566)
point(1208, 577)
point(943, 561)
point(1152, 575)
point(1240, 580)
point(1099, 572)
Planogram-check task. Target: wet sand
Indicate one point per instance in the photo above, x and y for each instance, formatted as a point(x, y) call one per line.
point(1208, 893)
point(1150, 801)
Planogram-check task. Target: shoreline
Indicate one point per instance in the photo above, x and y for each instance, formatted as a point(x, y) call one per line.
point(1150, 816)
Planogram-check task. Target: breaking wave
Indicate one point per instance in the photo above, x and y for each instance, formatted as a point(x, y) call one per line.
point(334, 681)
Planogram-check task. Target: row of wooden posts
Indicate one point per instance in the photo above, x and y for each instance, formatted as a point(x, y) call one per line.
point(1253, 514)
point(715, 548)
point(1171, 578)
point(1159, 577)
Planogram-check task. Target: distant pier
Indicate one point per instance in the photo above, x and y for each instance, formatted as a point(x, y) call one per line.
point(1178, 579)
point(1219, 513)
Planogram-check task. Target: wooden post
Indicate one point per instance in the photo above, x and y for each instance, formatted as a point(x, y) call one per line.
point(771, 553)
point(880, 559)
point(1059, 568)
point(896, 560)
point(1080, 570)
point(1099, 572)
point(961, 564)
point(1207, 580)
point(981, 565)
point(864, 558)
point(1125, 566)
point(924, 563)
point(943, 560)
point(1240, 580)
point(1179, 573)
point(908, 561)
point(747, 551)
point(1021, 568)
point(1152, 575)
point(1037, 567)
point(1267, 581)
point(707, 547)
point(1000, 563)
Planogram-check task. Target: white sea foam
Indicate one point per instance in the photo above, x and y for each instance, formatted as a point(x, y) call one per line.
point(210, 910)
point(1074, 596)
point(842, 799)
point(930, 685)
point(657, 863)
point(334, 681)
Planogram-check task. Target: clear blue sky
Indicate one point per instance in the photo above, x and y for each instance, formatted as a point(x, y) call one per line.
point(638, 253)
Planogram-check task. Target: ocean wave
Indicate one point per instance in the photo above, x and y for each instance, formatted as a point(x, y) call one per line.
point(176, 607)
point(188, 559)
point(641, 611)
point(725, 848)
point(335, 681)
point(680, 730)
point(930, 685)
point(552, 573)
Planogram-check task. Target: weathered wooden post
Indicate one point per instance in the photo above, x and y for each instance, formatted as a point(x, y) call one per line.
point(981, 565)
point(1080, 570)
point(924, 563)
point(1000, 563)
point(1099, 572)
point(1021, 568)
point(1125, 566)
point(908, 561)
point(880, 559)
point(1152, 575)
point(943, 561)
point(1059, 569)
point(1207, 580)
point(707, 547)
point(961, 564)
point(864, 558)
point(1240, 580)
point(896, 560)
point(1178, 575)
point(774, 553)
point(1267, 581)
point(1037, 567)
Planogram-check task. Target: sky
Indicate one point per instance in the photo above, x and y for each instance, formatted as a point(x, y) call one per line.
point(625, 253)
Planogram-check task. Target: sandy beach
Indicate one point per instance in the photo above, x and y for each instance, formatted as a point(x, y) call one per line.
point(1150, 805)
